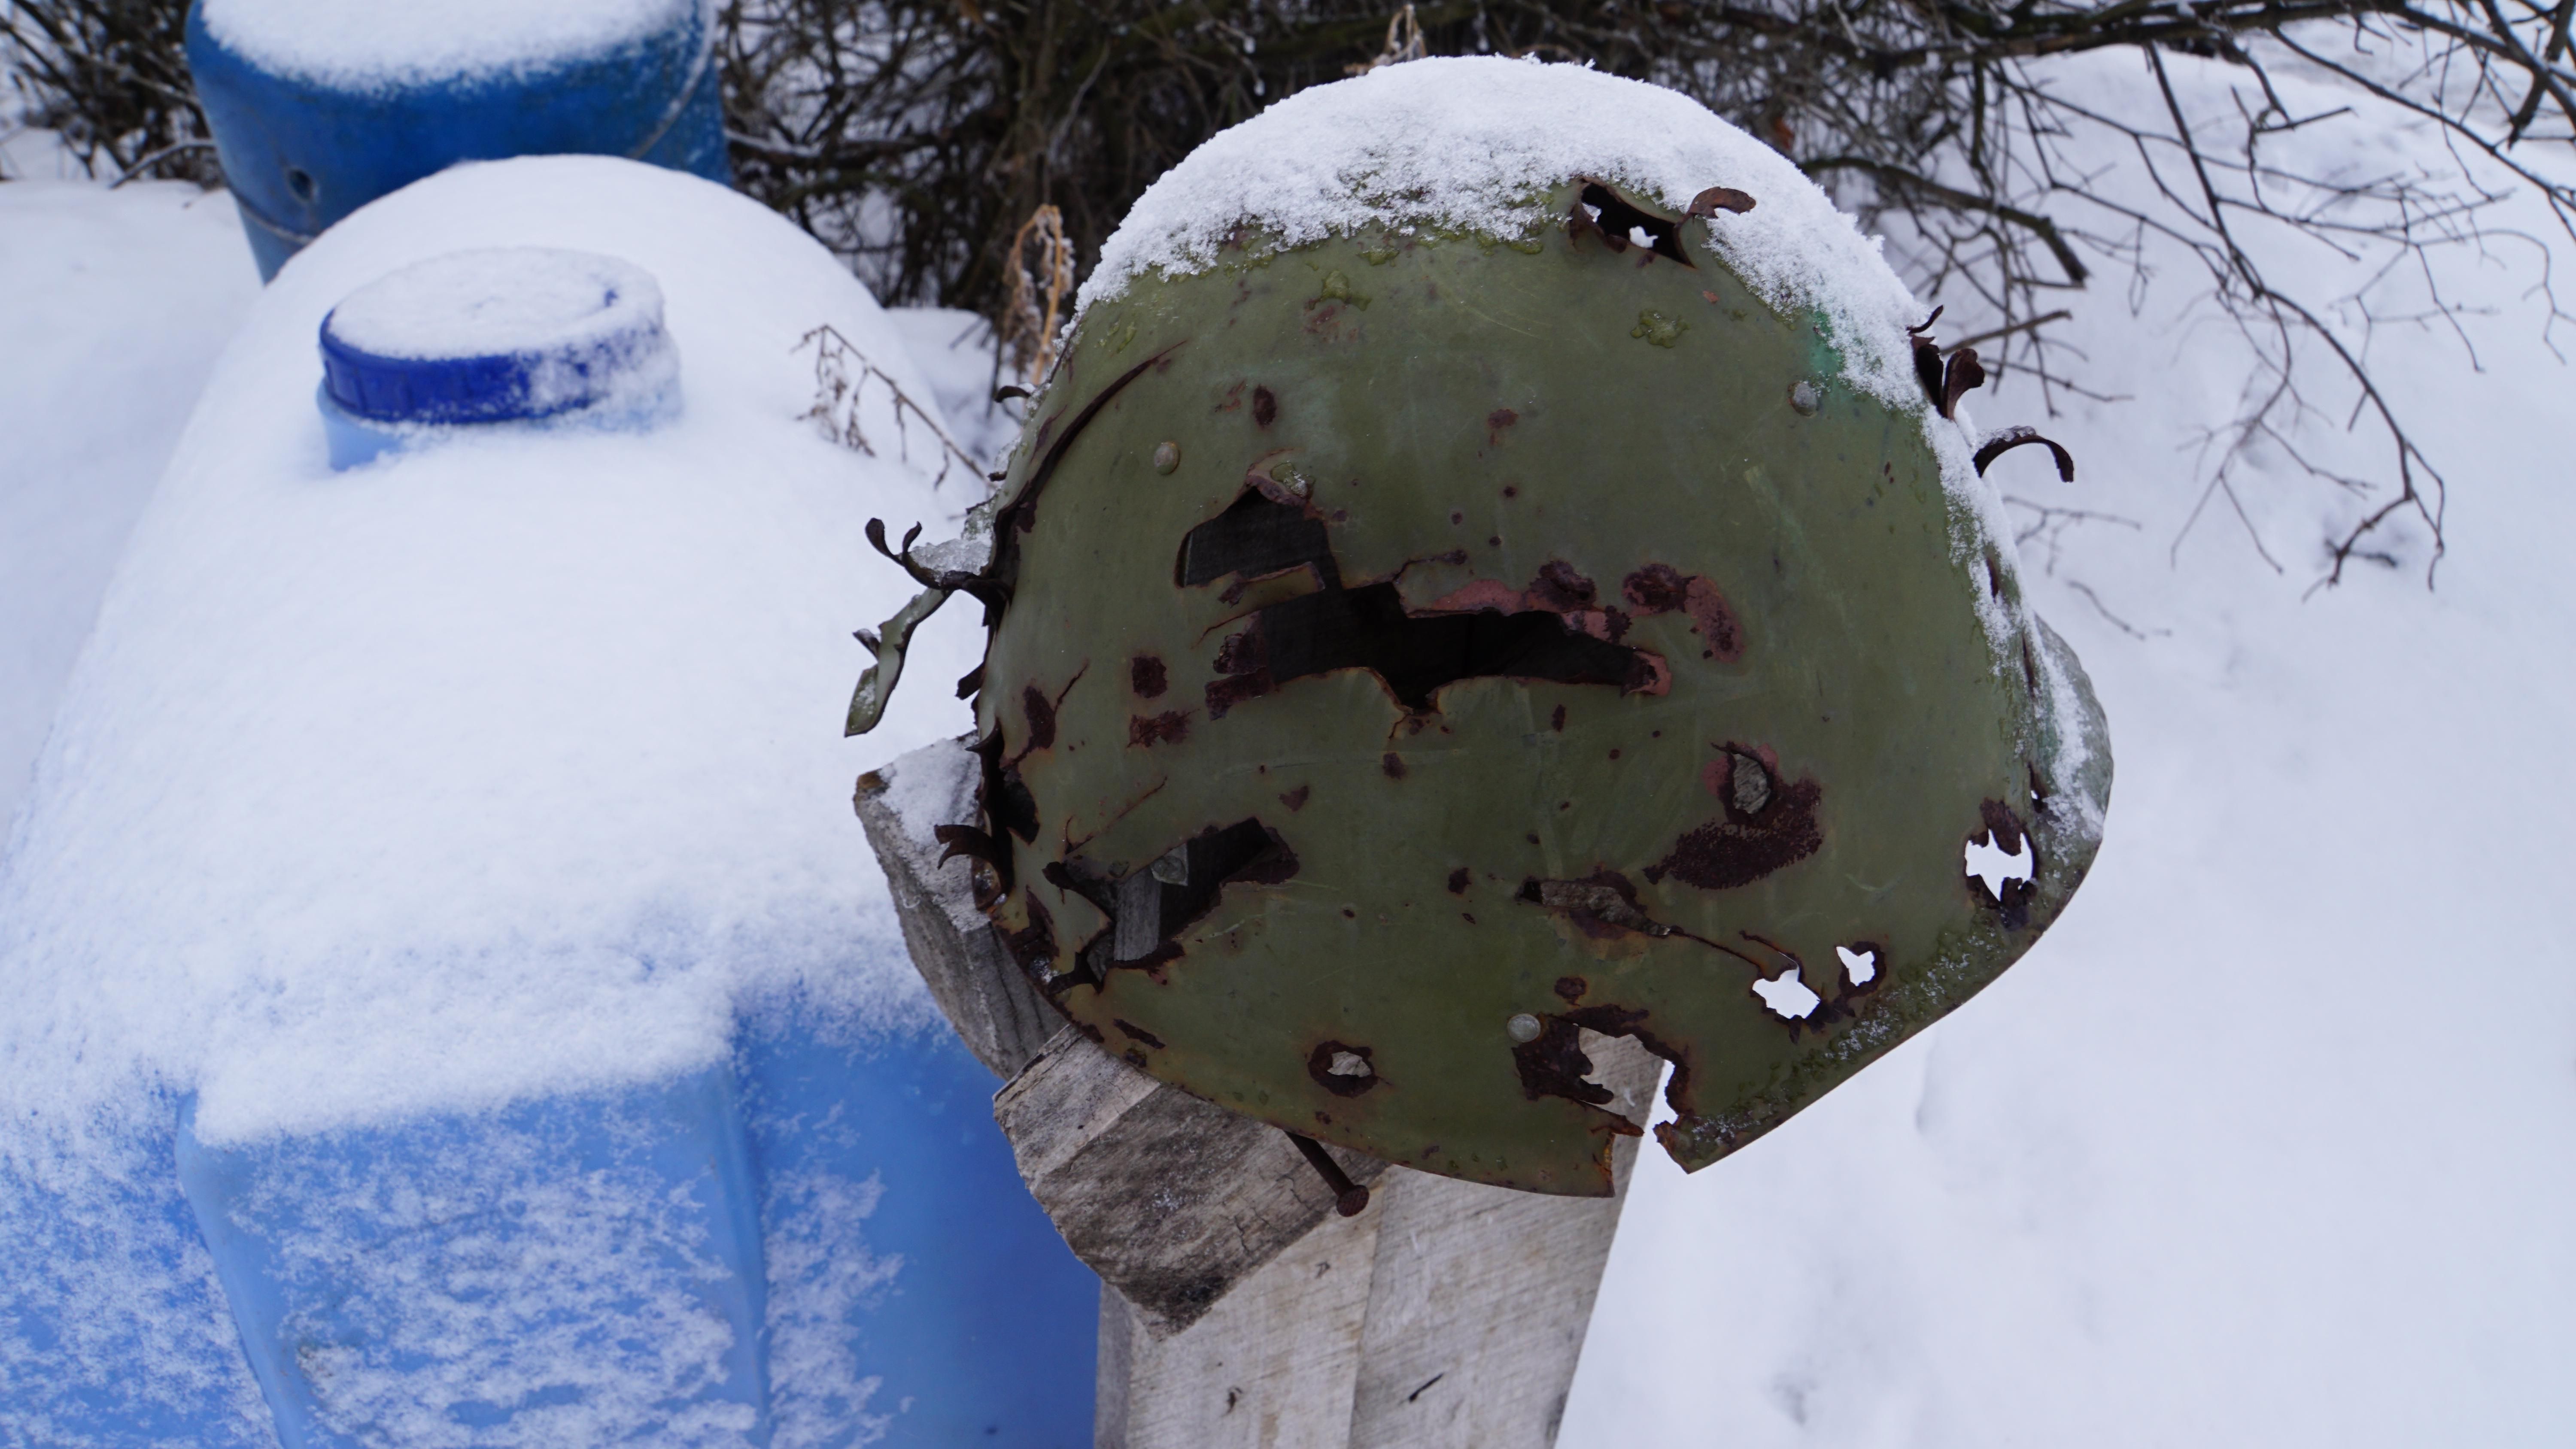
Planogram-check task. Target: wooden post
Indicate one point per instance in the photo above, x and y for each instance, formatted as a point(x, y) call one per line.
point(1239, 1307)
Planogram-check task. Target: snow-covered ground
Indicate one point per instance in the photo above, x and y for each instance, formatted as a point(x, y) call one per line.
point(2272, 1141)
point(113, 306)
point(2268, 1144)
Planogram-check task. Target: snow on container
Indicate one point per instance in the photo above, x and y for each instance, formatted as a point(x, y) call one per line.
point(452, 1002)
point(320, 106)
point(492, 336)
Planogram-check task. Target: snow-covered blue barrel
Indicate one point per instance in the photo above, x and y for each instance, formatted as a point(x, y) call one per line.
point(452, 1002)
point(320, 106)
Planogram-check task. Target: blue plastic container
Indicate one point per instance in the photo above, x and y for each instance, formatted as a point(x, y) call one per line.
point(820, 1238)
point(301, 152)
point(720, 1259)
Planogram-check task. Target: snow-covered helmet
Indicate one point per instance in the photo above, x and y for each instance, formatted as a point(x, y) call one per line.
point(1469, 584)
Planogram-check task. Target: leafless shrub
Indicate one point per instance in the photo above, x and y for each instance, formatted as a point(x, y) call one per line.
point(112, 77)
point(917, 137)
point(913, 136)
point(1959, 128)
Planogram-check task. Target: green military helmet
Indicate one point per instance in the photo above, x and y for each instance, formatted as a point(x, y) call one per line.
point(1426, 631)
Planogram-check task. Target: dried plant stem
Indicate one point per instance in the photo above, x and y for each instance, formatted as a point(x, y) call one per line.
point(842, 375)
point(1041, 272)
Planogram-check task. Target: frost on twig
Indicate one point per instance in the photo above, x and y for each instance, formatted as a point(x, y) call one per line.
point(842, 375)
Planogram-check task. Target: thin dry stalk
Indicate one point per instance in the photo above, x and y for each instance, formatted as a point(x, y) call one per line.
point(1041, 272)
point(842, 375)
point(1403, 43)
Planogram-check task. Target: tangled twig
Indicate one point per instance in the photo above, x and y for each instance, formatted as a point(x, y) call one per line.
point(841, 377)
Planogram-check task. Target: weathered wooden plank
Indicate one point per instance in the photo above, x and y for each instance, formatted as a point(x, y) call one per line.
point(1479, 1296)
point(1242, 1311)
point(996, 1011)
point(1464, 1335)
point(1272, 1366)
point(1171, 1200)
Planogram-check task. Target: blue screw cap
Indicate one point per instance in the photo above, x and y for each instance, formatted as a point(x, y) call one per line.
point(505, 334)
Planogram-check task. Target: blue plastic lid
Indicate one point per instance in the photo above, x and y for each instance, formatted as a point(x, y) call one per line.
point(499, 334)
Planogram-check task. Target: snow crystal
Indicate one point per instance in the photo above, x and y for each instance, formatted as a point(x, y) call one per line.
point(354, 44)
point(821, 1274)
point(499, 769)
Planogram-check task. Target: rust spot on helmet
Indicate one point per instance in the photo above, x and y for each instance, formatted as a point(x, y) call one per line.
point(1553, 1064)
point(1618, 223)
point(1041, 712)
point(1342, 1069)
point(1720, 198)
point(1663, 589)
point(1147, 676)
point(1745, 844)
point(1602, 905)
point(1560, 589)
point(1655, 589)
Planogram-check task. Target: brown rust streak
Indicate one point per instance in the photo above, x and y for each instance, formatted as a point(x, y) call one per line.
point(1742, 846)
point(1553, 1064)
point(1072, 845)
point(1147, 675)
point(1603, 906)
point(1170, 727)
point(1042, 712)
